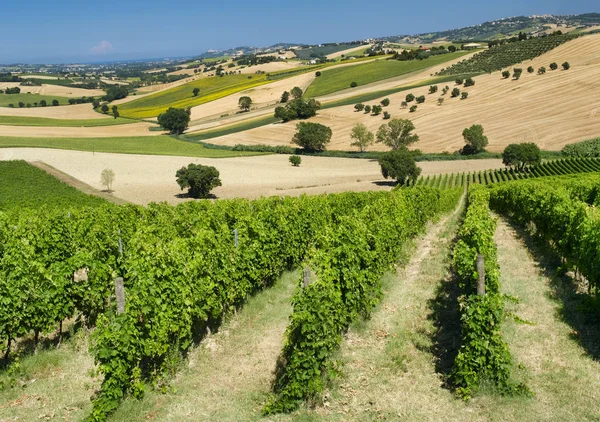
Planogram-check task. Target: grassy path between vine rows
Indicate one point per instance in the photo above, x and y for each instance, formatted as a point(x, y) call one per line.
point(228, 376)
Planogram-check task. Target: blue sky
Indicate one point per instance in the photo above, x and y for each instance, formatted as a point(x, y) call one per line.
point(61, 31)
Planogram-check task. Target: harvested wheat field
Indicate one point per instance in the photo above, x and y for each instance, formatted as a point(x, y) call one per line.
point(142, 179)
point(551, 110)
point(58, 90)
point(76, 111)
point(132, 129)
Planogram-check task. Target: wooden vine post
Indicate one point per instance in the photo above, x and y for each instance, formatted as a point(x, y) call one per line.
point(481, 275)
point(306, 277)
point(120, 295)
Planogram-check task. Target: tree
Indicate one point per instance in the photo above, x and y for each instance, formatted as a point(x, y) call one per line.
point(367, 109)
point(116, 92)
point(469, 82)
point(198, 178)
point(506, 74)
point(459, 81)
point(107, 177)
point(245, 103)
point(297, 92)
point(21, 104)
point(440, 101)
point(452, 48)
point(96, 103)
point(196, 91)
point(295, 160)
point(55, 103)
point(455, 92)
point(404, 104)
point(410, 98)
point(297, 109)
point(105, 108)
point(175, 120)
point(397, 133)
point(553, 66)
point(433, 89)
point(566, 66)
point(353, 85)
point(386, 115)
point(413, 109)
point(285, 97)
point(385, 102)
point(517, 71)
point(399, 165)
point(541, 70)
point(362, 137)
point(475, 139)
point(359, 107)
point(521, 155)
point(317, 74)
point(376, 109)
point(312, 136)
point(43, 103)
point(115, 111)
point(445, 90)
point(530, 69)
point(421, 99)
point(464, 95)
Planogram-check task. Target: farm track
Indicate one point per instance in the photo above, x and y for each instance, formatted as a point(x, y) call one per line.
point(77, 184)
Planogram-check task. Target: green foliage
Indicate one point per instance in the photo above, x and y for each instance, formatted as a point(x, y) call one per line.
point(399, 165)
point(553, 66)
point(506, 74)
point(420, 100)
point(361, 137)
point(386, 115)
point(105, 108)
point(412, 109)
point(297, 92)
point(196, 91)
point(541, 70)
point(410, 98)
point(566, 66)
point(115, 92)
point(367, 109)
point(376, 110)
point(312, 136)
point(464, 95)
point(521, 155)
point(353, 84)
point(245, 103)
point(469, 82)
point(433, 89)
point(517, 72)
point(530, 69)
point(385, 102)
point(475, 139)
point(397, 134)
point(589, 148)
point(199, 179)
point(284, 97)
point(295, 160)
point(359, 107)
point(175, 120)
point(297, 109)
point(459, 81)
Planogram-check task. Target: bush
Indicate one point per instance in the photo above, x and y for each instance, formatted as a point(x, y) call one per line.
point(175, 120)
point(359, 107)
point(198, 178)
point(506, 74)
point(317, 74)
point(413, 109)
point(115, 92)
point(295, 160)
point(421, 99)
point(55, 103)
point(566, 66)
point(464, 95)
point(312, 136)
point(353, 85)
point(385, 102)
point(445, 90)
point(410, 98)
point(399, 165)
point(455, 92)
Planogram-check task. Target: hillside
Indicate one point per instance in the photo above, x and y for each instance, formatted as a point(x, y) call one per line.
point(552, 109)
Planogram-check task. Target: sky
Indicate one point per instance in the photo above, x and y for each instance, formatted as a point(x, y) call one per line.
point(42, 31)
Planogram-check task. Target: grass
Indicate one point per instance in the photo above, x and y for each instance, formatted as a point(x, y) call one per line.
point(43, 121)
point(309, 53)
point(233, 128)
point(25, 186)
point(148, 145)
point(338, 79)
point(6, 99)
point(211, 88)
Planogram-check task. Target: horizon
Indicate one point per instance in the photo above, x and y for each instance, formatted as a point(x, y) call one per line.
point(140, 31)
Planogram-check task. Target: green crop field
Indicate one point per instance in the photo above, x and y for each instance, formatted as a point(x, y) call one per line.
point(22, 185)
point(148, 145)
point(6, 99)
point(337, 79)
point(43, 121)
point(211, 88)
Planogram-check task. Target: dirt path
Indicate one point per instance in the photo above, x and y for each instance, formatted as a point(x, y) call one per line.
point(564, 377)
point(77, 184)
point(229, 376)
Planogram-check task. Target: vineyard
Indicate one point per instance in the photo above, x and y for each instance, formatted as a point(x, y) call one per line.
point(186, 267)
point(506, 55)
point(563, 166)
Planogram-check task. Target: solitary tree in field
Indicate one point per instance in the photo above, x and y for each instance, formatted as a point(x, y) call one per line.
point(399, 165)
point(55, 103)
point(410, 98)
point(475, 140)
point(386, 115)
point(295, 160)
point(420, 99)
point(397, 133)
point(175, 120)
point(312, 136)
point(245, 103)
point(196, 91)
point(367, 109)
point(433, 89)
point(517, 71)
point(464, 95)
point(553, 66)
point(506, 74)
point(530, 69)
point(297, 92)
point(413, 108)
point(566, 66)
point(199, 179)
point(403, 104)
point(459, 81)
point(105, 108)
point(359, 107)
point(43, 103)
point(376, 109)
point(362, 137)
point(455, 92)
point(541, 70)
point(440, 101)
point(469, 82)
point(21, 104)
point(385, 102)
point(521, 155)
point(107, 177)
point(445, 90)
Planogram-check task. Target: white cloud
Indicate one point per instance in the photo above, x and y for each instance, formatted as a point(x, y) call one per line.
point(102, 48)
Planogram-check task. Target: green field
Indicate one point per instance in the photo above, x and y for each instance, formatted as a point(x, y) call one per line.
point(6, 99)
point(308, 53)
point(211, 88)
point(148, 145)
point(43, 121)
point(337, 79)
point(22, 185)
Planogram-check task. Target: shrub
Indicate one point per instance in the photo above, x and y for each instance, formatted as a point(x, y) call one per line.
point(295, 160)
point(196, 91)
point(107, 177)
point(385, 102)
point(506, 74)
point(399, 165)
point(403, 104)
point(317, 74)
point(55, 103)
point(312, 136)
point(440, 101)
point(433, 89)
point(245, 103)
point(420, 100)
point(464, 95)
point(105, 108)
point(359, 107)
point(353, 85)
point(445, 90)
point(410, 98)
point(175, 120)
point(413, 109)
point(455, 92)
point(297, 92)
point(566, 66)
point(198, 178)
point(297, 109)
